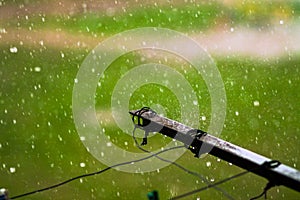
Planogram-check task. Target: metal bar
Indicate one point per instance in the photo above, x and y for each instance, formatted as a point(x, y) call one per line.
point(206, 143)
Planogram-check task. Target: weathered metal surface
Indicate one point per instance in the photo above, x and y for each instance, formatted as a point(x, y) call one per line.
point(280, 175)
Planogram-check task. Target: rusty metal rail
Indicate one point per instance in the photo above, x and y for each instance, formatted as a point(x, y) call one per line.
point(199, 142)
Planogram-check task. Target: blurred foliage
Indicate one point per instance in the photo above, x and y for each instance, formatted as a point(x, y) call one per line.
point(189, 16)
point(38, 137)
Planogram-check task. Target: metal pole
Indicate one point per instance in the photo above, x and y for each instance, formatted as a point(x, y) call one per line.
point(197, 141)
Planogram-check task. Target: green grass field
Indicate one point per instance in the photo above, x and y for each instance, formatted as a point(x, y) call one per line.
point(39, 145)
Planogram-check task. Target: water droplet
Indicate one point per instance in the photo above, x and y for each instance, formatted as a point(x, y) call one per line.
point(37, 69)
point(208, 164)
point(256, 103)
point(3, 30)
point(82, 138)
point(13, 49)
point(82, 164)
point(12, 170)
point(109, 144)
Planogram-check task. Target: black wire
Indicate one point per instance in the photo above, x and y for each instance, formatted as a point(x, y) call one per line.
point(181, 167)
point(269, 185)
point(95, 173)
point(209, 186)
point(260, 195)
point(264, 193)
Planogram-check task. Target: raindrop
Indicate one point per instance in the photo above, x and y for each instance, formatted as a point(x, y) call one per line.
point(12, 170)
point(82, 138)
point(208, 164)
point(281, 22)
point(13, 49)
point(37, 69)
point(82, 164)
point(256, 103)
point(59, 138)
point(109, 144)
point(3, 30)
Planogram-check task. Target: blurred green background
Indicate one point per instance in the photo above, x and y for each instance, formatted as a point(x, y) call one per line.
point(42, 44)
